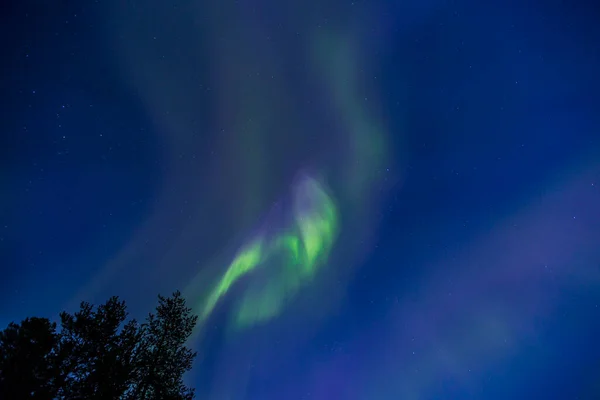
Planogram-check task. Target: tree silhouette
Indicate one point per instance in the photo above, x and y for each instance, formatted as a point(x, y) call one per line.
point(27, 360)
point(98, 355)
point(163, 358)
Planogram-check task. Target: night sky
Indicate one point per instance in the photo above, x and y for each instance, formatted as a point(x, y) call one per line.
point(362, 200)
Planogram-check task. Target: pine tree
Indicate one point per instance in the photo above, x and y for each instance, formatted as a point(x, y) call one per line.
point(97, 354)
point(163, 358)
point(27, 360)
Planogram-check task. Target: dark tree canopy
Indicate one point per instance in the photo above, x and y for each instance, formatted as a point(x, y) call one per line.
point(163, 353)
point(27, 360)
point(97, 354)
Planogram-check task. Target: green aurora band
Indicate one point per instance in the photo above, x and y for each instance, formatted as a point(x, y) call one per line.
point(270, 268)
point(303, 247)
point(267, 131)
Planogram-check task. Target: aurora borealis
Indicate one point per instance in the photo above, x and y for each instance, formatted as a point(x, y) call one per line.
point(296, 254)
point(360, 200)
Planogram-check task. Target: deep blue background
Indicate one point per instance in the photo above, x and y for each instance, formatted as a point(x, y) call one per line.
point(502, 103)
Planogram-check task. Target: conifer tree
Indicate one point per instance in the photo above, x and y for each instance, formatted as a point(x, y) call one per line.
point(163, 358)
point(98, 355)
point(27, 360)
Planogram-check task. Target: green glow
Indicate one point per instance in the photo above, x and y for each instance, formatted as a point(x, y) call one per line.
point(247, 260)
point(298, 252)
point(337, 58)
point(277, 266)
point(317, 229)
